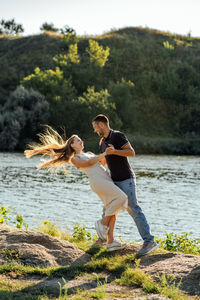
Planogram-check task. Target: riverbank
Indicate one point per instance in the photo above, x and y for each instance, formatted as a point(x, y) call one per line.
point(155, 144)
point(143, 144)
point(79, 271)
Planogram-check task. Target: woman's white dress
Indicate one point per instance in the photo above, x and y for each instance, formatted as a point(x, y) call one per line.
point(114, 199)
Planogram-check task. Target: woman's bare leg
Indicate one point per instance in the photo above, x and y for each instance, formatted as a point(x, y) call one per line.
point(106, 220)
point(110, 236)
point(110, 222)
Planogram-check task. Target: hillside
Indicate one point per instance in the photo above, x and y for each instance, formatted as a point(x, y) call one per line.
point(152, 77)
point(20, 56)
point(133, 50)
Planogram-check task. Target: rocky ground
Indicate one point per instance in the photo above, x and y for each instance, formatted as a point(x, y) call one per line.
point(35, 248)
point(38, 249)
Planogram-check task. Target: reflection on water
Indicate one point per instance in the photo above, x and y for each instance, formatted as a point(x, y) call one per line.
point(168, 191)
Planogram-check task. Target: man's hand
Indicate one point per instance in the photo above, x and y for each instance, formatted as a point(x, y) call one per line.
point(110, 149)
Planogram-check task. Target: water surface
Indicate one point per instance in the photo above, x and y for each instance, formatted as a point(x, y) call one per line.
point(168, 190)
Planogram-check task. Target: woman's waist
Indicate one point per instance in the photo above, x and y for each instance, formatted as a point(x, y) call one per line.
point(97, 170)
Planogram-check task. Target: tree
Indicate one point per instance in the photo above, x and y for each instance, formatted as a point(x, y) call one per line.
point(10, 27)
point(84, 70)
point(98, 55)
point(48, 27)
point(92, 103)
point(58, 91)
point(49, 83)
point(76, 115)
point(21, 118)
point(67, 30)
point(71, 57)
point(122, 93)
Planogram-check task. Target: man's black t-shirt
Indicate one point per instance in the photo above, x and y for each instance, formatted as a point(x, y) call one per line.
point(119, 166)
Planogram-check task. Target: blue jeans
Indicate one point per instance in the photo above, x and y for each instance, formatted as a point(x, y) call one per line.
point(128, 186)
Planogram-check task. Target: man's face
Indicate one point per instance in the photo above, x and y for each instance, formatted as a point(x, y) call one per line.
point(98, 128)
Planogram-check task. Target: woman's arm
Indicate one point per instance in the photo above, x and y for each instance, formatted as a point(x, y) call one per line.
point(81, 163)
point(103, 161)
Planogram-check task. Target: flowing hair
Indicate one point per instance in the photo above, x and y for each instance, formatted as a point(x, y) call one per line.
point(52, 145)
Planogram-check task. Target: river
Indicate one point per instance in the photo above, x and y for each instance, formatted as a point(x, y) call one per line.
point(168, 190)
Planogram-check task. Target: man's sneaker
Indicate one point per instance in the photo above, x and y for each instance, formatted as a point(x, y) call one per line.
point(101, 229)
point(147, 248)
point(99, 243)
point(115, 245)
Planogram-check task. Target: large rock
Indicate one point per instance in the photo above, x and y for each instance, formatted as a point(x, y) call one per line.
point(35, 248)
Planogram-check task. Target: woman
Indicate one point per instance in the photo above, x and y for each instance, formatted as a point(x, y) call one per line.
point(71, 151)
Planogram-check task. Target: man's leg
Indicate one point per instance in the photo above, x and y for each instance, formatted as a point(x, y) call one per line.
point(129, 188)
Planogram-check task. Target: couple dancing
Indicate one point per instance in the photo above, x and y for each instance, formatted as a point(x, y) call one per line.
point(117, 190)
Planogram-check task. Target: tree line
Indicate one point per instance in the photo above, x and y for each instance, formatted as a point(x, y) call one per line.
point(10, 27)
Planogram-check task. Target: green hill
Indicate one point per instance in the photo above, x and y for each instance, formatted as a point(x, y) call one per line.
point(152, 79)
point(19, 56)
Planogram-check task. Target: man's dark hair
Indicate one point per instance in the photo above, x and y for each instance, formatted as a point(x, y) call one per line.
point(101, 118)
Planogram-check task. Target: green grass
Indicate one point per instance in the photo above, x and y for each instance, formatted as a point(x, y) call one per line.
point(120, 267)
point(125, 275)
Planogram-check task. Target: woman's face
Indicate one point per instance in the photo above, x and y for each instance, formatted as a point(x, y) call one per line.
point(77, 144)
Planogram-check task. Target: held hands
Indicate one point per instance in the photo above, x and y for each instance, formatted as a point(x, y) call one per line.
point(110, 150)
point(102, 154)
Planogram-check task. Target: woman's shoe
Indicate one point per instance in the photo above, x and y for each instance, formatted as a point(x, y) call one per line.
point(101, 229)
point(115, 245)
point(99, 243)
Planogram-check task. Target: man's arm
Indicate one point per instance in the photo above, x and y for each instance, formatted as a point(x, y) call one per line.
point(127, 150)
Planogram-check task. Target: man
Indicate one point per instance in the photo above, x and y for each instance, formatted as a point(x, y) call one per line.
point(118, 149)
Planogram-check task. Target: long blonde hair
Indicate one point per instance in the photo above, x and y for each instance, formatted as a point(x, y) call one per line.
point(54, 146)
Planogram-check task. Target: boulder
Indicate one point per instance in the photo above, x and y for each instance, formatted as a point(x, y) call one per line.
point(38, 249)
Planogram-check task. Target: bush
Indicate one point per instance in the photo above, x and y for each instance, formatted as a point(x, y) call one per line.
point(183, 243)
point(50, 228)
point(5, 218)
point(80, 233)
